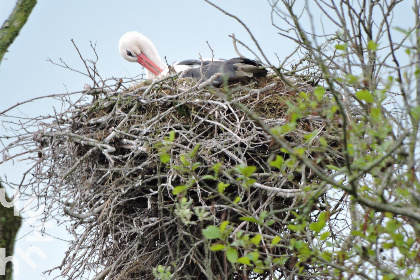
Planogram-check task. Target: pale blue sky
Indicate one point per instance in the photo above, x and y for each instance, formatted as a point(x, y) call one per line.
point(179, 30)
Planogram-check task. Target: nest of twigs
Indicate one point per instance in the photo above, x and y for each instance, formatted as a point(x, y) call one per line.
point(114, 164)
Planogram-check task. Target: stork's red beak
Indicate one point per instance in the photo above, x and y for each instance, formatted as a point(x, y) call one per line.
point(148, 64)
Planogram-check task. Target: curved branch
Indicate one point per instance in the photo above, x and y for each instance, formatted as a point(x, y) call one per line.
point(12, 26)
point(87, 215)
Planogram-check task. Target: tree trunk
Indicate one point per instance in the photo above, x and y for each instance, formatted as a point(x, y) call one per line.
point(9, 226)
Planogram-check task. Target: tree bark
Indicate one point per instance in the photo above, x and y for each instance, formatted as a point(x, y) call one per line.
point(12, 26)
point(9, 226)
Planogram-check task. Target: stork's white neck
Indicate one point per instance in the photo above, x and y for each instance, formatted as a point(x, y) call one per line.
point(149, 49)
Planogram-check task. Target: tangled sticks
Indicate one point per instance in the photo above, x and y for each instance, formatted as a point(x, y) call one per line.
point(138, 172)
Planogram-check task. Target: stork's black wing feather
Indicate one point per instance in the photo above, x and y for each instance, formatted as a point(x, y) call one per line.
point(232, 69)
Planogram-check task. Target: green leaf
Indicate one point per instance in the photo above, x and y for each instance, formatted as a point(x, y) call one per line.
point(263, 215)
point(195, 165)
point(364, 188)
point(217, 167)
point(275, 240)
point(256, 239)
point(222, 186)
point(303, 94)
point(250, 181)
point(179, 189)
point(415, 111)
point(325, 235)
point(271, 222)
point(184, 161)
point(279, 130)
point(212, 232)
point(326, 255)
point(217, 247)
point(387, 245)
point(357, 233)
point(332, 167)
point(375, 112)
point(389, 215)
point(298, 244)
point(171, 136)
point(372, 46)
point(341, 47)
point(244, 260)
point(402, 30)
point(295, 117)
point(253, 256)
point(318, 226)
point(305, 251)
point(294, 227)
point(208, 177)
point(389, 277)
point(164, 157)
point(237, 199)
point(351, 78)
point(319, 92)
point(364, 95)
point(280, 261)
point(278, 162)
point(232, 255)
point(409, 271)
point(315, 227)
point(239, 243)
point(323, 142)
point(250, 219)
point(224, 225)
point(398, 239)
point(246, 170)
point(194, 151)
point(299, 151)
point(311, 135)
point(392, 226)
point(258, 270)
point(322, 218)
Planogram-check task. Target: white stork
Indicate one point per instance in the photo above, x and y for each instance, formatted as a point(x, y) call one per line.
point(135, 47)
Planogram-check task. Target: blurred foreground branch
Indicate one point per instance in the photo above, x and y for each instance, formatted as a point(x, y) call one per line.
point(12, 26)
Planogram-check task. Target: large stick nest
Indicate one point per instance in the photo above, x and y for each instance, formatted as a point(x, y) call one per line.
point(113, 166)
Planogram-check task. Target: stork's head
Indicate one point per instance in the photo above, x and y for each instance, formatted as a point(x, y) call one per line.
point(135, 47)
